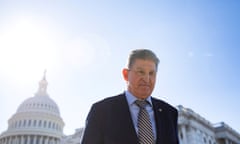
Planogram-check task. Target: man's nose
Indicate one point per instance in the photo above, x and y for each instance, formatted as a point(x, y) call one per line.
point(146, 77)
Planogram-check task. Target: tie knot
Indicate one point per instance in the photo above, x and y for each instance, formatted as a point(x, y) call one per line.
point(141, 103)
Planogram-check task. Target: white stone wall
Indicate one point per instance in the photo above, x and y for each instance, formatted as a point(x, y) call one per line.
point(194, 129)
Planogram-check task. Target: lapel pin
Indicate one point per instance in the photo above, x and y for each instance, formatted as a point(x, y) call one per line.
point(160, 110)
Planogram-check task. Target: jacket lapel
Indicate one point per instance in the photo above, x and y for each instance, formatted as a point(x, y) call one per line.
point(124, 115)
point(159, 119)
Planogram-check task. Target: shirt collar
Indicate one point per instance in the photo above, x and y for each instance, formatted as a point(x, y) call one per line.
point(131, 98)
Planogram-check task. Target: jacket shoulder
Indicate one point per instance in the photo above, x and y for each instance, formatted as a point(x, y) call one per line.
point(110, 100)
point(164, 105)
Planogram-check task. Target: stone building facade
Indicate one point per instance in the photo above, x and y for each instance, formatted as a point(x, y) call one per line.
point(194, 129)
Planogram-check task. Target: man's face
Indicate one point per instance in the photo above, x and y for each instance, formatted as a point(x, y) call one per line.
point(141, 78)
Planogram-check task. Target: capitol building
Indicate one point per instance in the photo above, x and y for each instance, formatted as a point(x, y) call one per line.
point(38, 121)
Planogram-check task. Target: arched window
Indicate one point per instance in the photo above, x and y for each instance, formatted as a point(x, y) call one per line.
point(53, 126)
point(49, 124)
point(24, 123)
point(35, 123)
point(40, 123)
point(20, 123)
point(204, 140)
point(29, 122)
point(45, 124)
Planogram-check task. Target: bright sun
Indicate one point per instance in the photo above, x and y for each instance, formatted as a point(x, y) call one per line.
point(26, 49)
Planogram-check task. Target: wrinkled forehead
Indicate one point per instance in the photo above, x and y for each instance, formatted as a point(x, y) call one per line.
point(142, 64)
point(135, 60)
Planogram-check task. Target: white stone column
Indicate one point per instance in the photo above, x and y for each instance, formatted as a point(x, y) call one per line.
point(46, 140)
point(5, 140)
point(17, 140)
point(28, 139)
point(21, 139)
point(190, 135)
point(34, 139)
point(14, 140)
point(43, 139)
point(54, 141)
point(226, 141)
point(184, 133)
point(10, 140)
point(40, 139)
point(49, 140)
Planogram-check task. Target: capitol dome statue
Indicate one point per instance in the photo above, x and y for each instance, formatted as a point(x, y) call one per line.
point(37, 121)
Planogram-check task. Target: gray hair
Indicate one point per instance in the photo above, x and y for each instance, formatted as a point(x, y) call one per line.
point(144, 54)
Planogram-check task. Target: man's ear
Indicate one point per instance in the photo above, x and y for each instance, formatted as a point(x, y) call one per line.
point(125, 74)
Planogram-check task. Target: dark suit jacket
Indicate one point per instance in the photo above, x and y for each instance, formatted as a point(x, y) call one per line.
point(109, 122)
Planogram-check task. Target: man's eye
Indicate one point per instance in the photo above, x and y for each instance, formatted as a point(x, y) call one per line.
point(140, 72)
point(152, 73)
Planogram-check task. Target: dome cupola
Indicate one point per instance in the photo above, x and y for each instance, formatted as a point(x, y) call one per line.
point(41, 102)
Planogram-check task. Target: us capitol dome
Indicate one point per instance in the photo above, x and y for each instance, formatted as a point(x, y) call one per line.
point(36, 121)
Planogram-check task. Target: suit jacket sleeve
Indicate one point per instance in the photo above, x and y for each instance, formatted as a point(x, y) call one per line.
point(173, 126)
point(93, 131)
point(176, 126)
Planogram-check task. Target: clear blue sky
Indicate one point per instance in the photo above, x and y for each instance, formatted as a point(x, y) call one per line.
point(84, 46)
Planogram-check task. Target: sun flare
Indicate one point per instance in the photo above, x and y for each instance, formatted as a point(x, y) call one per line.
point(26, 48)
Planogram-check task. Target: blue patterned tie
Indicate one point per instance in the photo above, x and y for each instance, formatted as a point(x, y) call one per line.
point(145, 132)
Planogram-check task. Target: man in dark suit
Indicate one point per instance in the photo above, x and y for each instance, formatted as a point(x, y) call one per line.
point(117, 120)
